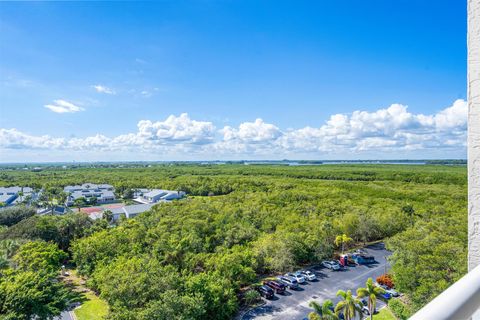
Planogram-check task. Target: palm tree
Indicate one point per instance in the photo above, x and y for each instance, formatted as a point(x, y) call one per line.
point(372, 293)
point(342, 240)
point(314, 316)
point(108, 216)
point(349, 305)
point(322, 311)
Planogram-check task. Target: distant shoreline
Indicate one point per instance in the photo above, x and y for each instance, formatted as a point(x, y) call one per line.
point(32, 165)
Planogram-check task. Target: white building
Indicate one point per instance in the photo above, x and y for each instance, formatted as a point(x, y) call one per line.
point(130, 211)
point(158, 195)
point(103, 193)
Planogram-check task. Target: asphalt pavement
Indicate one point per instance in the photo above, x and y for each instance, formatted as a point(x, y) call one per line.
point(294, 304)
point(65, 315)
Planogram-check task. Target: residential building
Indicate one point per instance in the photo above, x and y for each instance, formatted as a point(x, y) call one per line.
point(60, 210)
point(14, 195)
point(131, 211)
point(158, 195)
point(103, 193)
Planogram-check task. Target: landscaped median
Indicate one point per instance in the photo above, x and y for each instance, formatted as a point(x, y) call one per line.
point(93, 308)
point(384, 314)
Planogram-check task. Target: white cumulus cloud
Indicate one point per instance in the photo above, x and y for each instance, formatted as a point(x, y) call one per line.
point(391, 129)
point(103, 89)
point(14, 139)
point(62, 106)
point(252, 132)
point(177, 129)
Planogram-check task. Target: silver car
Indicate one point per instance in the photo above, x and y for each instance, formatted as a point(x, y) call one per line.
point(392, 292)
point(297, 276)
point(309, 275)
point(332, 265)
point(292, 283)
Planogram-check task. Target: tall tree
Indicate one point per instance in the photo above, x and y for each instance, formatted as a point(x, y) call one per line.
point(349, 305)
point(39, 256)
point(371, 292)
point(342, 240)
point(31, 295)
point(324, 310)
point(108, 216)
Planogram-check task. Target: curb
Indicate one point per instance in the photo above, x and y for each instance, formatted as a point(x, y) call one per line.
point(72, 315)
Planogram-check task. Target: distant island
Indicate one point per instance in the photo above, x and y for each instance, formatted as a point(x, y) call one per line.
point(39, 166)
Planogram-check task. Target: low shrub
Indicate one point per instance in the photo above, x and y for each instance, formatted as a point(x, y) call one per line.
point(399, 309)
point(251, 296)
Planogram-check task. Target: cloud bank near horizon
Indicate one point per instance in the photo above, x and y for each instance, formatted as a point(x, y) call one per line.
point(391, 129)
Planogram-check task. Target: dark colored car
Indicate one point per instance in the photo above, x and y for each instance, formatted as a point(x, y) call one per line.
point(386, 295)
point(340, 315)
point(266, 291)
point(363, 259)
point(277, 286)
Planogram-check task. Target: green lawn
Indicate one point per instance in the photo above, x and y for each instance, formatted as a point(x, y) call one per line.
point(383, 314)
point(93, 308)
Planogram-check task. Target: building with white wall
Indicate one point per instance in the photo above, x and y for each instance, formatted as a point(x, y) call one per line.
point(131, 211)
point(159, 195)
point(103, 193)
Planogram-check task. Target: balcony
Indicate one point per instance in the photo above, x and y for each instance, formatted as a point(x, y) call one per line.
point(458, 302)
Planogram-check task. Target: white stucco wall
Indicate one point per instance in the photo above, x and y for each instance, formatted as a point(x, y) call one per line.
point(473, 133)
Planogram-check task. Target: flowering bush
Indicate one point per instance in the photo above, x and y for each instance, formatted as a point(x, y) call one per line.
point(386, 280)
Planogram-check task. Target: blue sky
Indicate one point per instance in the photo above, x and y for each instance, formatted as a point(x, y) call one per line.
point(111, 80)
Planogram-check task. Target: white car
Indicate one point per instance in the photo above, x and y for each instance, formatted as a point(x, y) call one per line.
point(332, 265)
point(297, 276)
point(309, 275)
point(392, 292)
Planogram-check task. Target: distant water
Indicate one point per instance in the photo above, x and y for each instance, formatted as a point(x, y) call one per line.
point(376, 162)
point(294, 163)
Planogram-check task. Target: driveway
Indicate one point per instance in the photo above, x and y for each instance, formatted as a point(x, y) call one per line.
point(294, 305)
point(66, 315)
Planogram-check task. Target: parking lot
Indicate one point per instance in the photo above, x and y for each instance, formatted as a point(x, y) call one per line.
point(294, 304)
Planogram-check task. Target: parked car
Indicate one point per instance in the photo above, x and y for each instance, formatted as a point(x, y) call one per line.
point(365, 307)
point(362, 259)
point(332, 265)
point(297, 276)
point(277, 286)
point(266, 291)
point(392, 292)
point(292, 283)
point(360, 251)
point(386, 296)
point(340, 315)
point(309, 275)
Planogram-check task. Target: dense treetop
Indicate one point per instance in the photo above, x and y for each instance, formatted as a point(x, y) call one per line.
point(192, 258)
